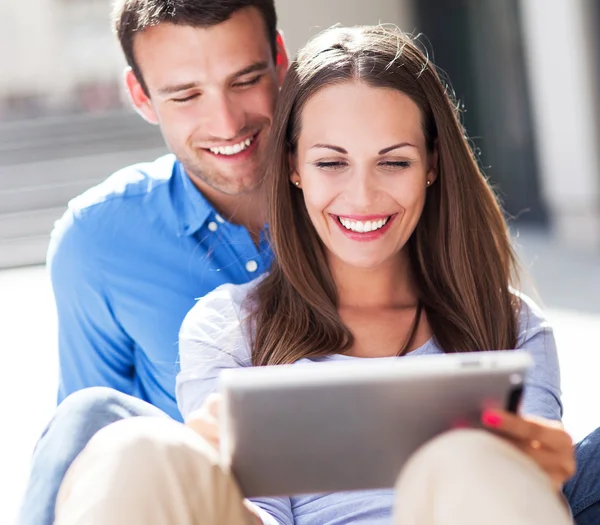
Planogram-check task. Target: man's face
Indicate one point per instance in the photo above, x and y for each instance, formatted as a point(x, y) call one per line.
point(212, 91)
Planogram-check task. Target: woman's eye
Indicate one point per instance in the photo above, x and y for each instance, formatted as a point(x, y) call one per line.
point(331, 165)
point(395, 164)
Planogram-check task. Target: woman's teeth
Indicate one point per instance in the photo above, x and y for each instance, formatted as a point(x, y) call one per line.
point(363, 226)
point(233, 150)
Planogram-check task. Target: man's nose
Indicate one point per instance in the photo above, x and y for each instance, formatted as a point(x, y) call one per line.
point(224, 118)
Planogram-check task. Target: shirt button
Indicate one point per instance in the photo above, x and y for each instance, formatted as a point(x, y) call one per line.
point(219, 218)
point(252, 266)
point(212, 226)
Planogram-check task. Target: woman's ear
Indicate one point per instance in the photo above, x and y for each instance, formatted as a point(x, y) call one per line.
point(433, 164)
point(294, 177)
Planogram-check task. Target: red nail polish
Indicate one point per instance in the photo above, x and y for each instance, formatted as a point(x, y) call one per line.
point(491, 419)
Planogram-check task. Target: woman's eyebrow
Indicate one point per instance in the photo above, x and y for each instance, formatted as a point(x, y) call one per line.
point(382, 152)
point(329, 146)
point(396, 146)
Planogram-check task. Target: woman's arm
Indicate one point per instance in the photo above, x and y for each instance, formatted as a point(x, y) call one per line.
point(542, 393)
point(212, 338)
point(537, 431)
point(267, 511)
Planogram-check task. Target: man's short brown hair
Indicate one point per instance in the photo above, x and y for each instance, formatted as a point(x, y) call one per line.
point(133, 16)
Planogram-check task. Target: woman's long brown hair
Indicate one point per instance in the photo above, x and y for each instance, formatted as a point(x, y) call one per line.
point(460, 251)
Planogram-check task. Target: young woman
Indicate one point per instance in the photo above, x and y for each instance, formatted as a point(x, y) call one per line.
point(388, 242)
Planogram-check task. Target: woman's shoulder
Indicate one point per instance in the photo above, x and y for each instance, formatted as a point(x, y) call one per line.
point(227, 296)
point(221, 310)
point(532, 319)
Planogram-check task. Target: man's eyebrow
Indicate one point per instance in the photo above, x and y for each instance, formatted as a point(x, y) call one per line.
point(253, 68)
point(396, 146)
point(176, 88)
point(329, 146)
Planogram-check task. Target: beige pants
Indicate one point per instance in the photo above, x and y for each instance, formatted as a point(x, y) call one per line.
point(153, 471)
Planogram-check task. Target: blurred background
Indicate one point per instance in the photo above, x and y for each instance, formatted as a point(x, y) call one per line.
point(526, 74)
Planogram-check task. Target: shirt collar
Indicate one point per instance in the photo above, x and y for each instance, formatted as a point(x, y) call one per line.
point(191, 207)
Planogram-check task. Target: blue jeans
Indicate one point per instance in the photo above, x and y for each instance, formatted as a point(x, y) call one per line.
point(82, 414)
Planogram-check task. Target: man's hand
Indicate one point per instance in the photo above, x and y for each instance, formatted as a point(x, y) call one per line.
point(205, 420)
point(544, 440)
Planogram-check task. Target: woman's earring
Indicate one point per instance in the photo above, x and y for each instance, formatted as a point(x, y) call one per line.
point(297, 183)
point(428, 183)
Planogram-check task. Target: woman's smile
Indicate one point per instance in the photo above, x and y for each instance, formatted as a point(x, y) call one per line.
point(364, 228)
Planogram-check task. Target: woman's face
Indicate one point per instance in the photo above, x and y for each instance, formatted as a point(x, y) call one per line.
point(363, 168)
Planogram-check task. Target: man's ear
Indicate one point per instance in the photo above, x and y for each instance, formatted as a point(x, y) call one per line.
point(283, 61)
point(138, 98)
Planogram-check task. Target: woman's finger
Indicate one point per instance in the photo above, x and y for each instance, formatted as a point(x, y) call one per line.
point(533, 431)
point(213, 404)
point(204, 421)
point(509, 424)
point(553, 433)
point(559, 464)
point(545, 442)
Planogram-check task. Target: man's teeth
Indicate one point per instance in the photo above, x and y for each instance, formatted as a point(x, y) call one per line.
point(363, 227)
point(232, 150)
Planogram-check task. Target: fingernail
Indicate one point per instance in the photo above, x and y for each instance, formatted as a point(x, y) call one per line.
point(491, 419)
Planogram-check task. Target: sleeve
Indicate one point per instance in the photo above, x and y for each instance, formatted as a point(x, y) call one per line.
point(93, 348)
point(542, 395)
point(274, 511)
point(212, 339)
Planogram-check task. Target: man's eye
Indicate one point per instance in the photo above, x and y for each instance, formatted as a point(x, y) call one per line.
point(331, 165)
point(249, 82)
point(185, 99)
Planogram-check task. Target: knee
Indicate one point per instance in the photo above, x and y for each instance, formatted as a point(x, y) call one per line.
point(464, 439)
point(92, 400)
point(151, 442)
point(458, 449)
point(464, 472)
point(587, 454)
point(590, 445)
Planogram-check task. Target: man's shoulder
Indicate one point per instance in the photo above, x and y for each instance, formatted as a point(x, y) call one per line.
point(124, 203)
point(127, 187)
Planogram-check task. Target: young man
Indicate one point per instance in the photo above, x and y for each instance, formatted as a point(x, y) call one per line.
point(130, 256)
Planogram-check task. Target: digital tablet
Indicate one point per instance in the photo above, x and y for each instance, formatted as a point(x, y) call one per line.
point(351, 425)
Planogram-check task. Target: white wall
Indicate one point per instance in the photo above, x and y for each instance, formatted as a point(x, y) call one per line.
point(301, 20)
point(28, 40)
point(46, 46)
point(563, 78)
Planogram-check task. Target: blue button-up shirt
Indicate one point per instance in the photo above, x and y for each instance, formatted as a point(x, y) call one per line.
point(127, 261)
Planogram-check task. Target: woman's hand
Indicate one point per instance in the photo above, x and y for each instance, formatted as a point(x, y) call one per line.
point(544, 440)
point(205, 420)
